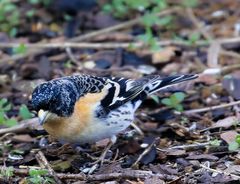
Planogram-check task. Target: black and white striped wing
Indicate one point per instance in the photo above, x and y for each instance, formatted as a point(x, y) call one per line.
point(120, 91)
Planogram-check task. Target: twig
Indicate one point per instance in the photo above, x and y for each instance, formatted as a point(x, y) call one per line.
point(121, 26)
point(72, 57)
point(196, 145)
point(91, 34)
point(229, 53)
point(197, 24)
point(24, 125)
point(221, 172)
point(106, 45)
point(125, 174)
point(189, 112)
point(137, 128)
point(146, 151)
point(44, 163)
point(112, 45)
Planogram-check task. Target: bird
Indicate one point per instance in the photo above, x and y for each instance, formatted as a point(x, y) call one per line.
point(85, 109)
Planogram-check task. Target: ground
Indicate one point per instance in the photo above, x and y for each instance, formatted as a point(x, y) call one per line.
point(188, 133)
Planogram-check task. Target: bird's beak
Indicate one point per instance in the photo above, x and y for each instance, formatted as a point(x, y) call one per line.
point(43, 116)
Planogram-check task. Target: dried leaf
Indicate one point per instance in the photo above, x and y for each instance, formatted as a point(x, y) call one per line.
point(23, 138)
point(176, 152)
point(229, 136)
point(226, 122)
point(233, 169)
point(164, 55)
point(202, 156)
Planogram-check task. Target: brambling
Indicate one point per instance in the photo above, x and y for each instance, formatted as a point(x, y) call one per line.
point(85, 109)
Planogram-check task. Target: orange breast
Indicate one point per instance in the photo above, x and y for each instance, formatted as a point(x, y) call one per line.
point(75, 126)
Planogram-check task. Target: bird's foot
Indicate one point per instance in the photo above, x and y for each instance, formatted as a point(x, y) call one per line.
point(102, 159)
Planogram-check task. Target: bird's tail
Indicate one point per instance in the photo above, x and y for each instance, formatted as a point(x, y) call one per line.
point(155, 83)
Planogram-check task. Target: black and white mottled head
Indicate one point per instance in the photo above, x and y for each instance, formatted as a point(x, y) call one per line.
point(57, 96)
point(60, 95)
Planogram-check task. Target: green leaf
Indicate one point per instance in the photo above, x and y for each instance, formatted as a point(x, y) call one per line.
point(36, 180)
point(17, 152)
point(155, 98)
point(9, 171)
point(13, 32)
point(194, 37)
point(107, 8)
point(162, 4)
point(164, 21)
point(215, 142)
point(190, 3)
point(179, 96)
point(149, 19)
point(10, 122)
point(33, 1)
point(9, 7)
point(179, 107)
point(166, 101)
point(3, 102)
point(24, 112)
point(21, 49)
point(233, 146)
point(174, 100)
point(50, 180)
point(6, 172)
point(2, 118)
point(30, 13)
point(38, 172)
point(7, 107)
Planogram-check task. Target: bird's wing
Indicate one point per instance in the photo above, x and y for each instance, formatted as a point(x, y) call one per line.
point(120, 91)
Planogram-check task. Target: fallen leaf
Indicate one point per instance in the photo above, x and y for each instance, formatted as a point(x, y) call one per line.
point(171, 68)
point(229, 136)
point(134, 182)
point(226, 122)
point(202, 156)
point(152, 180)
point(176, 152)
point(102, 143)
point(163, 169)
point(60, 165)
point(23, 138)
point(164, 55)
point(208, 79)
point(233, 169)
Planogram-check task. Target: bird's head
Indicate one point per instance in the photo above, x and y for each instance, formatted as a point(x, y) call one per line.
point(53, 99)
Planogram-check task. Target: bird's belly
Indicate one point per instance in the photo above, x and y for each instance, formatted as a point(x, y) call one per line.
point(101, 129)
point(80, 129)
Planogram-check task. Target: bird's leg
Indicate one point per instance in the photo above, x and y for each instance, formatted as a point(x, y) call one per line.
point(113, 140)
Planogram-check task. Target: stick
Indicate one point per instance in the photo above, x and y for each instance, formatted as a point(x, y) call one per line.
point(189, 112)
point(221, 172)
point(146, 151)
point(197, 24)
point(23, 126)
point(44, 163)
point(112, 45)
point(125, 174)
point(92, 34)
point(197, 145)
point(107, 45)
